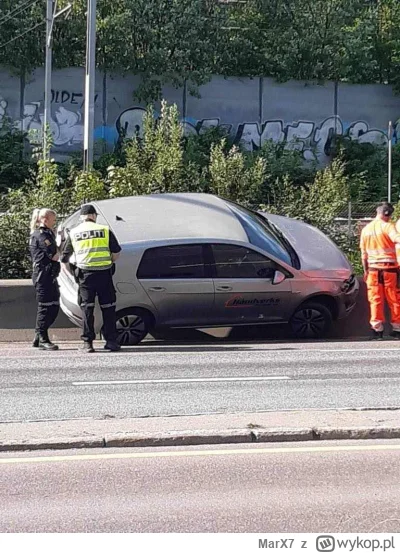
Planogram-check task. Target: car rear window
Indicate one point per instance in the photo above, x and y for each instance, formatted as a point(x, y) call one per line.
point(172, 262)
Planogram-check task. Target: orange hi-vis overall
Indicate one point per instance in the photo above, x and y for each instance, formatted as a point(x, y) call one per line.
point(379, 249)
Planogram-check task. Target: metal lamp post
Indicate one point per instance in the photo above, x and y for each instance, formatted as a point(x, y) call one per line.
point(51, 15)
point(390, 137)
point(90, 79)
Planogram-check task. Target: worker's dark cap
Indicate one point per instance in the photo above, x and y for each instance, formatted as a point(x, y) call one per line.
point(385, 208)
point(88, 209)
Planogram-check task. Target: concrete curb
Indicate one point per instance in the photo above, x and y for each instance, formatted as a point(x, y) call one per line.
point(203, 437)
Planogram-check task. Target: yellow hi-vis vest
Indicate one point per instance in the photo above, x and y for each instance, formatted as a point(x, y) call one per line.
point(91, 243)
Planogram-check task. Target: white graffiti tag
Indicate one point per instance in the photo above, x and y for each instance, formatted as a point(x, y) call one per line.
point(315, 141)
point(66, 127)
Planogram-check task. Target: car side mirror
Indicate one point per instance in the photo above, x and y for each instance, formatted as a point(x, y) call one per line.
point(278, 277)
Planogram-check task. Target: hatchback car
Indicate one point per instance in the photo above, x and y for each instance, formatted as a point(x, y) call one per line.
point(199, 261)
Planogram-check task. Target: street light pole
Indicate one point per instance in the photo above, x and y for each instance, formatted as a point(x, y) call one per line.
point(390, 136)
point(51, 16)
point(47, 78)
point(90, 78)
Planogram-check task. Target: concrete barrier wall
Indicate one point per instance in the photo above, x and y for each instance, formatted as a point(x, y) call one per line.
point(18, 314)
point(18, 306)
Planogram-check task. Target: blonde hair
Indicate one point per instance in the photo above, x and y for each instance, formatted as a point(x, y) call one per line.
point(39, 214)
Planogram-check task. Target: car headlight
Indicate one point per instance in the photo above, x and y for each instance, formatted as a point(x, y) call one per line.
point(348, 284)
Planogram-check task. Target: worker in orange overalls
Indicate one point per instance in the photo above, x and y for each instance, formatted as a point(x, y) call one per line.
point(381, 269)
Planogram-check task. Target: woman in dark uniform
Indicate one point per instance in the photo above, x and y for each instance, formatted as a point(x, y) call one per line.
point(46, 268)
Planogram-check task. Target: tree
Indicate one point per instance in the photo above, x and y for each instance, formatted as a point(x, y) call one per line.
point(161, 41)
point(22, 34)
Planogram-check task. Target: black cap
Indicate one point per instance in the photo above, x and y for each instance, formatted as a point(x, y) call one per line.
point(88, 209)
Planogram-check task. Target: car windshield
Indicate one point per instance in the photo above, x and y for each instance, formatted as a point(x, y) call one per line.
point(265, 235)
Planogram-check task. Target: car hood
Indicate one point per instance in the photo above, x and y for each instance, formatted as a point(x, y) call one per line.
point(319, 256)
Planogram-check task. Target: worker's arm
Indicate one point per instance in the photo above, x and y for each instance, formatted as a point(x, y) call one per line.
point(115, 248)
point(364, 256)
point(394, 235)
point(67, 252)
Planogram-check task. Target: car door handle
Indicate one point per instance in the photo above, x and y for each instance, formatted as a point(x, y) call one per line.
point(224, 288)
point(157, 289)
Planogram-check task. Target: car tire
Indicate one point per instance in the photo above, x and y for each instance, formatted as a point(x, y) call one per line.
point(311, 320)
point(133, 325)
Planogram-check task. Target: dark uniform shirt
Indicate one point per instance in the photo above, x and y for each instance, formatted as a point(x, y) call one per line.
point(42, 247)
point(69, 250)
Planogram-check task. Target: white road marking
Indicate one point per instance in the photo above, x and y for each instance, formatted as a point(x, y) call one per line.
point(181, 380)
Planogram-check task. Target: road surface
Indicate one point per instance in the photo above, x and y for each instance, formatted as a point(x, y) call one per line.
point(324, 488)
point(165, 380)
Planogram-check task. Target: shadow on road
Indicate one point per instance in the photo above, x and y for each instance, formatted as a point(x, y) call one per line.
point(160, 347)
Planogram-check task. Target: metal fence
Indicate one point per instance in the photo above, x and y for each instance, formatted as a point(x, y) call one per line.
point(355, 216)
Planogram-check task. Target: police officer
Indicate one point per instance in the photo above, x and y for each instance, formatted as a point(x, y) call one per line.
point(95, 249)
point(46, 268)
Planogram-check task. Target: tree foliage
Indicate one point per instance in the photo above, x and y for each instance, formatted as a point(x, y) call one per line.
point(184, 42)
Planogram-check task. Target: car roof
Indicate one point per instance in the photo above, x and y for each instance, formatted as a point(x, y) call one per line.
point(171, 216)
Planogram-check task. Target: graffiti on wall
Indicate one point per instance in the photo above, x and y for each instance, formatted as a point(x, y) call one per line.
point(66, 123)
point(66, 126)
point(313, 139)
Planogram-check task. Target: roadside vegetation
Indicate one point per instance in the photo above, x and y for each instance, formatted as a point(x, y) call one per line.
point(272, 179)
point(354, 41)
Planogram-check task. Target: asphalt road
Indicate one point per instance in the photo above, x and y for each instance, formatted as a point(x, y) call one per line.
point(324, 488)
point(156, 380)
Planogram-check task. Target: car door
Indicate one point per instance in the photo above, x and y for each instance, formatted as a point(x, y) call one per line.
point(178, 282)
point(249, 287)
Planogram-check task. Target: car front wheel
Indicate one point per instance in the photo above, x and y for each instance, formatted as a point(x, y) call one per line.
point(310, 320)
point(133, 325)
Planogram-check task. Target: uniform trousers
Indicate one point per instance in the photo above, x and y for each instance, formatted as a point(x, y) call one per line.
point(382, 284)
point(48, 300)
point(91, 284)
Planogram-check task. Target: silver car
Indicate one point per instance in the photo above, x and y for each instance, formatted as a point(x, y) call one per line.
point(198, 261)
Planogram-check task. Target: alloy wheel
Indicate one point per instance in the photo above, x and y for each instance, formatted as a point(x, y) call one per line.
point(131, 329)
point(308, 322)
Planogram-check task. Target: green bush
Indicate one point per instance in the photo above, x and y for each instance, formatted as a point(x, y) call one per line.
point(15, 167)
point(163, 160)
point(234, 177)
point(154, 163)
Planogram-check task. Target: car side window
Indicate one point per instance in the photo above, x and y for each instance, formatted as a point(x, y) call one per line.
point(173, 262)
point(238, 262)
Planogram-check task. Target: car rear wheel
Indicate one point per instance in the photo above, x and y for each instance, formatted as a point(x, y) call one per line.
point(310, 320)
point(133, 325)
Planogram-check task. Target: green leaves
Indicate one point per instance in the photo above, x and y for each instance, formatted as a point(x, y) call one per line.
point(178, 42)
point(155, 163)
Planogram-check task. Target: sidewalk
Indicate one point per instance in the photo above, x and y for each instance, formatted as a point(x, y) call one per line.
point(285, 426)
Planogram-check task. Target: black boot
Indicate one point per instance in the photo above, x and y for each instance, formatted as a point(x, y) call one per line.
point(48, 346)
point(48, 341)
point(395, 334)
point(45, 342)
point(112, 346)
point(35, 343)
point(377, 335)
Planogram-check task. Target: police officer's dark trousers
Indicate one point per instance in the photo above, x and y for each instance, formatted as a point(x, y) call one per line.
point(91, 284)
point(48, 299)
